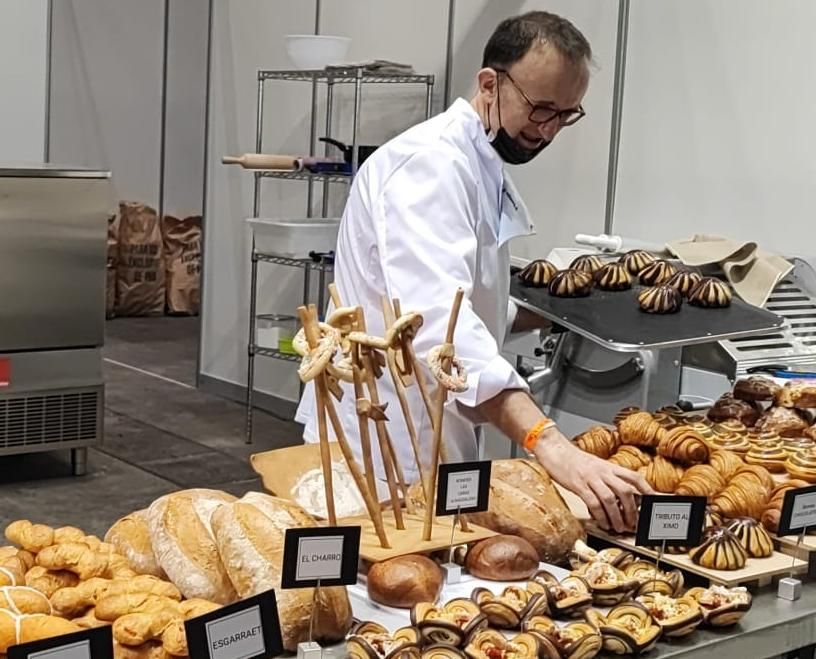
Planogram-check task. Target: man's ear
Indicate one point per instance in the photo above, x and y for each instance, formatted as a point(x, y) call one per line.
point(488, 81)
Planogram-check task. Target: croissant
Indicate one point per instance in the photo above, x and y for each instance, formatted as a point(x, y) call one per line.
point(640, 429)
point(726, 462)
point(662, 475)
point(630, 457)
point(700, 481)
point(623, 413)
point(683, 445)
point(599, 441)
point(773, 510)
point(759, 474)
point(742, 498)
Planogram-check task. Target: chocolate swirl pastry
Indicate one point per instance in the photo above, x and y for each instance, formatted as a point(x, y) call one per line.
point(537, 274)
point(802, 465)
point(729, 408)
point(795, 444)
point(769, 454)
point(587, 263)
point(613, 277)
point(684, 281)
point(755, 388)
point(720, 550)
point(711, 293)
point(656, 273)
point(636, 260)
point(731, 442)
point(752, 536)
point(660, 300)
point(570, 283)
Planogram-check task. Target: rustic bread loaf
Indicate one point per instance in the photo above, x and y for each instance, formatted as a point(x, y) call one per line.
point(131, 537)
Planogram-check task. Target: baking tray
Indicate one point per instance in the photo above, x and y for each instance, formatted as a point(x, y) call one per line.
point(615, 321)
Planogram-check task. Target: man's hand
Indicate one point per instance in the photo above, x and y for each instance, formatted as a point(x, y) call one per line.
point(610, 492)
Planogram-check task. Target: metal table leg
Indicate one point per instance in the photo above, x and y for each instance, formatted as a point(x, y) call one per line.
point(79, 461)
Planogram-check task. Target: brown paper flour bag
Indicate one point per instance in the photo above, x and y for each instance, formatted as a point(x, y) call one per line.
point(110, 269)
point(182, 251)
point(140, 272)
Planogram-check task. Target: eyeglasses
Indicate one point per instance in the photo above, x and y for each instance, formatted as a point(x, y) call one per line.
point(541, 114)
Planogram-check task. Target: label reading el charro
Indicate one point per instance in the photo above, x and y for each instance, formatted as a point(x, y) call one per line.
point(320, 557)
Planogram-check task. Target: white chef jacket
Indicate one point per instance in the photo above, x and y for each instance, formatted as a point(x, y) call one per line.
point(431, 211)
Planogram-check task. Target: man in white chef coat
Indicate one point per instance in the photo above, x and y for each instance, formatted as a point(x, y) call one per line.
point(431, 211)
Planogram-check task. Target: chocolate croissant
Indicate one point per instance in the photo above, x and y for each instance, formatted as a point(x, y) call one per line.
point(683, 281)
point(570, 283)
point(640, 429)
point(657, 273)
point(662, 474)
point(636, 260)
point(720, 550)
point(700, 481)
point(711, 293)
point(537, 274)
point(587, 263)
point(600, 441)
point(613, 277)
point(660, 300)
point(752, 536)
point(683, 445)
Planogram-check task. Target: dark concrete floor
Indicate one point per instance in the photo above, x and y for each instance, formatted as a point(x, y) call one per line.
point(161, 435)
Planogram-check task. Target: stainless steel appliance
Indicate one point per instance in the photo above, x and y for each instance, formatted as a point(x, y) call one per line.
point(53, 230)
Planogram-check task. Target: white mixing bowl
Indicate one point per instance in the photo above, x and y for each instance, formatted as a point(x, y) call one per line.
point(316, 51)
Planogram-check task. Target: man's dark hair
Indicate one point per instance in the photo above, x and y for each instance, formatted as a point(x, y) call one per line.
point(514, 37)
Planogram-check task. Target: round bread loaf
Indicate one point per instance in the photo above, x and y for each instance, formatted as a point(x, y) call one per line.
point(502, 558)
point(404, 581)
point(131, 537)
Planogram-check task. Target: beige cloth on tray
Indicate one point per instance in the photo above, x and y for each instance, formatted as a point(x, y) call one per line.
point(753, 273)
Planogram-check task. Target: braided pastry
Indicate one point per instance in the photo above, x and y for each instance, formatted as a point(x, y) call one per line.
point(587, 263)
point(727, 463)
point(630, 457)
point(683, 445)
point(537, 274)
point(700, 481)
point(770, 454)
point(600, 441)
point(802, 465)
point(657, 273)
point(640, 429)
point(683, 281)
point(613, 277)
point(662, 474)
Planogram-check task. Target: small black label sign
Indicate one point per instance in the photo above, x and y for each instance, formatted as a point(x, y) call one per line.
point(462, 487)
point(326, 554)
point(798, 511)
point(675, 520)
point(249, 629)
point(89, 644)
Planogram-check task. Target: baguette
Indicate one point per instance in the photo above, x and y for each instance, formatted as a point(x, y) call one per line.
point(131, 537)
point(185, 548)
point(16, 629)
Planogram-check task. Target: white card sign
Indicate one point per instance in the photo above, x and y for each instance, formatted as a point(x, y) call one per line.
point(673, 520)
point(798, 510)
point(320, 558)
point(670, 521)
point(80, 650)
point(462, 487)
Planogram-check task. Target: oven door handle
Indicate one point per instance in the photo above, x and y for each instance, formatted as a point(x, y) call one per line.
point(606, 379)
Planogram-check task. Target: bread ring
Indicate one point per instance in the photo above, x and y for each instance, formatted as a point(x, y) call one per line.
point(318, 358)
point(343, 319)
point(342, 370)
point(456, 380)
point(408, 323)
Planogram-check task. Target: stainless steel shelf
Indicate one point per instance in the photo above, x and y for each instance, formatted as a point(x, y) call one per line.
point(344, 76)
point(303, 176)
point(305, 263)
point(274, 353)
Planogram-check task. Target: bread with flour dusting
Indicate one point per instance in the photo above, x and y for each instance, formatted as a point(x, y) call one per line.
point(250, 536)
point(184, 545)
point(131, 537)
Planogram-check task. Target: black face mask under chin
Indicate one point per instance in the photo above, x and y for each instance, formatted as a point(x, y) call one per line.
point(508, 148)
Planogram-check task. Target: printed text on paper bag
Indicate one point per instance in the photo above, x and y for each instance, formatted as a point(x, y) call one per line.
point(670, 521)
point(320, 558)
point(463, 490)
point(237, 636)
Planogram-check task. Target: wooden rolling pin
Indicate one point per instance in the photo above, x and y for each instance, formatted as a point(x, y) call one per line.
point(263, 161)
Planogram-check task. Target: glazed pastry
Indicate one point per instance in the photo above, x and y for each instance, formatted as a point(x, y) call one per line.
point(654, 580)
point(731, 442)
point(700, 481)
point(587, 263)
point(657, 273)
point(570, 283)
point(729, 408)
point(710, 520)
point(730, 426)
point(623, 413)
point(720, 550)
point(613, 277)
point(802, 465)
point(677, 617)
point(786, 421)
point(794, 445)
point(752, 536)
point(636, 260)
point(801, 395)
point(722, 607)
point(769, 454)
point(630, 457)
point(582, 554)
point(640, 429)
point(599, 441)
point(703, 429)
point(762, 437)
point(662, 475)
point(673, 411)
point(710, 293)
point(575, 640)
point(491, 644)
point(660, 300)
point(756, 388)
point(727, 463)
point(683, 281)
point(569, 597)
point(683, 445)
point(370, 640)
point(537, 274)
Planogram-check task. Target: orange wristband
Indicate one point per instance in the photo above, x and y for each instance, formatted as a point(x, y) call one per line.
point(535, 432)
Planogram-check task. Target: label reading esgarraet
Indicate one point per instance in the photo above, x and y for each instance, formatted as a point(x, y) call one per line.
point(803, 514)
point(320, 557)
point(669, 521)
point(79, 650)
point(463, 490)
point(236, 636)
